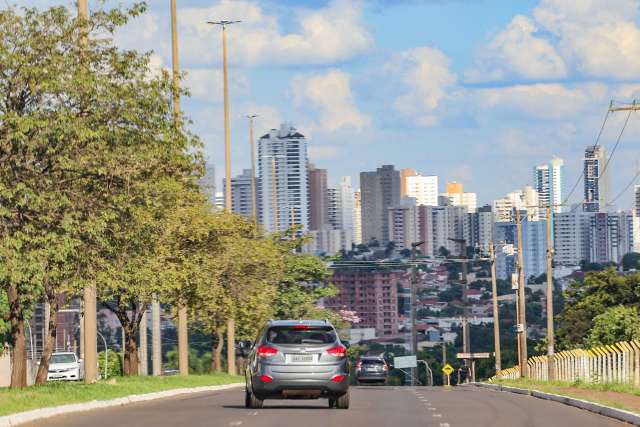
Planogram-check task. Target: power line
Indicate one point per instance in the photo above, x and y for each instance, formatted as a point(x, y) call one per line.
point(633, 180)
point(624, 126)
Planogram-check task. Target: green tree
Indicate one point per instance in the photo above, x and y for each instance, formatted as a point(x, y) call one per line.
point(616, 324)
point(583, 301)
point(631, 261)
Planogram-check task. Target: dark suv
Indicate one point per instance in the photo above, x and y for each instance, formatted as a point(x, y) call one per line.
point(371, 369)
point(297, 359)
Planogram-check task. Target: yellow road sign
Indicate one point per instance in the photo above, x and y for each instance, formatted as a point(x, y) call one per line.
point(447, 369)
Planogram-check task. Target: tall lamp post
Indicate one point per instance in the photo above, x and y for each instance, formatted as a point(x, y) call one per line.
point(231, 324)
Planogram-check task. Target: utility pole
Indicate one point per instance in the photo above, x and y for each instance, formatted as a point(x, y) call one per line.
point(231, 324)
point(254, 202)
point(551, 363)
point(143, 359)
point(414, 332)
point(496, 320)
point(522, 321)
point(182, 326)
point(90, 339)
point(156, 338)
point(466, 336)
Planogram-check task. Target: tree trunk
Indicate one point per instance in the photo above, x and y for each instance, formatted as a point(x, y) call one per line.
point(18, 340)
point(218, 350)
point(130, 352)
point(50, 339)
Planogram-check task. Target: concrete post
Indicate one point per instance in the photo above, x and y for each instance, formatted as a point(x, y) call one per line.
point(156, 338)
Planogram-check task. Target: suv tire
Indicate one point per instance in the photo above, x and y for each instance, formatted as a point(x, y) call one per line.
point(342, 402)
point(251, 401)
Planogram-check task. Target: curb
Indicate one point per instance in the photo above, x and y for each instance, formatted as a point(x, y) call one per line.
point(42, 413)
point(607, 411)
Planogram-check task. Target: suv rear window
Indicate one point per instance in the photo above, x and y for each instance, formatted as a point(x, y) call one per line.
point(371, 362)
point(301, 334)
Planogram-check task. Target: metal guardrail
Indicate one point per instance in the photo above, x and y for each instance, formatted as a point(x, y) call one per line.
point(617, 363)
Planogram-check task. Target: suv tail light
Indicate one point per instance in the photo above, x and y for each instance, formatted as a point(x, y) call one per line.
point(267, 351)
point(338, 351)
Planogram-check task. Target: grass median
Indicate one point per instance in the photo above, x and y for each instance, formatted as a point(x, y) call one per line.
point(62, 393)
point(621, 396)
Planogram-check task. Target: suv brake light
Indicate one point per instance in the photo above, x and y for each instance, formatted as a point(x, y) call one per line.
point(338, 351)
point(267, 351)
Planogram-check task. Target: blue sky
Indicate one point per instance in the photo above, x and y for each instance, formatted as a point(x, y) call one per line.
point(477, 91)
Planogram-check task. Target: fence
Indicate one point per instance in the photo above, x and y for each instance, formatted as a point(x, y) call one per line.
point(617, 363)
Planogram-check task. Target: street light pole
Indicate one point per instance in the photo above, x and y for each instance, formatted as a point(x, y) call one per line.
point(183, 333)
point(231, 325)
point(254, 202)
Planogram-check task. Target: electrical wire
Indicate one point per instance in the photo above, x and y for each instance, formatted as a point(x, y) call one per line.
point(620, 194)
point(624, 126)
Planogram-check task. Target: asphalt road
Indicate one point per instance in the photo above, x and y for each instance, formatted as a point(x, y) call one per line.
point(370, 407)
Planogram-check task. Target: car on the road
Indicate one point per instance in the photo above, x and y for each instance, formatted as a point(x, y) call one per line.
point(64, 366)
point(297, 359)
point(371, 369)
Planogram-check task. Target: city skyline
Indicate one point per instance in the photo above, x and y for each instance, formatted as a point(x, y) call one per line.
point(504, 84)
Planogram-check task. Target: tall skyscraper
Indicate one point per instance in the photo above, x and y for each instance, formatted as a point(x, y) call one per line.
point(317, 198)
point(548, 181)
point(478, 229)
point(283, 187)
point(525, 199)
point(380, 191)
point(345, 202)
point(595, 182)
point(636, 193)
point(241, 197)
point(404, 174)
point(423, 188)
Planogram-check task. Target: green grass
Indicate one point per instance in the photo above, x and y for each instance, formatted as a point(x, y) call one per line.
point(564, 388)
point(61, 393)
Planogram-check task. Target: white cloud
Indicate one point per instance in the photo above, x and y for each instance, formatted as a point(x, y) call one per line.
point(324, 36)
point(543, 101)
point(426, 77)
point(330, 96)
point(206, 84)
point(517, 52)
point(323, 152)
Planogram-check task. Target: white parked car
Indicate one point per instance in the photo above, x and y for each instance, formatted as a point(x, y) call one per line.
point(64, 367)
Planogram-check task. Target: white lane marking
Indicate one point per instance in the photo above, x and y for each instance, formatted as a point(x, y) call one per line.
point(431, 408)
point(437, 415)
point(444, 425)
point(253, 414)
point(235, 423)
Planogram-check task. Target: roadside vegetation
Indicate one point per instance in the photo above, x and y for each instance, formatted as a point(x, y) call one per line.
point(62, 393)
point(621, 396)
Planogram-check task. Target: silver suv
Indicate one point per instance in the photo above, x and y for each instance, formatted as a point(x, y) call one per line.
point(297, 359)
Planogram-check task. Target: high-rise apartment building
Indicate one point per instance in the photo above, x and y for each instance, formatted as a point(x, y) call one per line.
point(241, 196)
point(439, 224)
point(208, 182)
point(595, 182)
point(404, 223)
point(525, 199)
point(422, 188)
point(478, 229)
point(548, 181)
point(318, 198)
point(380, 190)
point(283, 187)
point(357, 218)
point(455, 196)
point(534, 244)
point(372, 294)
point(404, 174)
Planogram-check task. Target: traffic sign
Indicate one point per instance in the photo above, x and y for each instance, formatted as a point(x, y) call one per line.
point(405, 362)
point(447, 369)
point(473, 355)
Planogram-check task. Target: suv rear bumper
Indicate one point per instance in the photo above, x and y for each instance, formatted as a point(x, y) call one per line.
point(307, 383)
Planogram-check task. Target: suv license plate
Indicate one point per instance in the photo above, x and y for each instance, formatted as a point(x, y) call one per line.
point(301, 358)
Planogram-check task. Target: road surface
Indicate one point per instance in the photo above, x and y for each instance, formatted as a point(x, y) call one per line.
point(370, 407)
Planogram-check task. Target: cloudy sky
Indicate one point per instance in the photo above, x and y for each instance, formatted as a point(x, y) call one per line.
point(477, 91)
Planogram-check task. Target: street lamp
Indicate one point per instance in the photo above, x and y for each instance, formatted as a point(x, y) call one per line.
point(254, 210)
